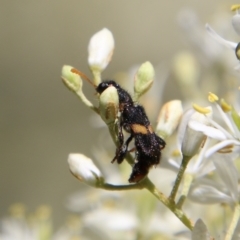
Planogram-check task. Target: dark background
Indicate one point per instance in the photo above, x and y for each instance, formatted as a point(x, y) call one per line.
point(41, 121)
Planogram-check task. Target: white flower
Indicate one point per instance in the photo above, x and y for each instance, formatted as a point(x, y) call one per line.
point(228, 175)
point(222, 154)
point(232, 45)
point(13, 228)
point(84, 169)
point(111, 218)
point(189, 143)
point(206, 191)
point(217, 132)
point(17, 224)
point(223, 189)
point(100, 49)
point(189, 139)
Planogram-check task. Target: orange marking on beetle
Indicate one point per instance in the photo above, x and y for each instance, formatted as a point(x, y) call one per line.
point(138, 128)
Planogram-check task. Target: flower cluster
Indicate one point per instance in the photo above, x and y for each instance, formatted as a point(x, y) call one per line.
point(197, 180)
point(200, 155)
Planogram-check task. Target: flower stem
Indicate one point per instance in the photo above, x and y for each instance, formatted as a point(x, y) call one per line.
point(112, 187)
point(96, 76)
point(233, 223)
point(179, 177)
point(187, 180)
point(169, 204)
point(86, 101)
point(147, 184)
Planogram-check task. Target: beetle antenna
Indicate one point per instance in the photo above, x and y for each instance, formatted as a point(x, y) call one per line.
point(81, 74)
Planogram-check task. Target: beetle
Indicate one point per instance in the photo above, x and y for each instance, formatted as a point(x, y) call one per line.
point(134, 120)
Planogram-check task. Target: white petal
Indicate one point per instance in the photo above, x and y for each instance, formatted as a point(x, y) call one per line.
point(231, 45)
point(237, 68)
point(174, 163)
point(216, 125)
point(236, 23)
point(100, 49)
point(192, 139)
point(208, 131)
point(182, 127)
point(225, 118)
point(228, 174)
point(201, 165)
point(208, 194)
point(111, 219)
point(200, 231)
point(219, 146)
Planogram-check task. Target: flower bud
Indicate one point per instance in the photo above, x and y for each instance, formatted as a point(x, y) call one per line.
point(186, 70)
point(17, 210)
point(108, 105)
point(84, 169)
point(43, 212)
point(71, 80)
point(100, 50)
point(169, 118)
point(191, 140)
point(143, 79)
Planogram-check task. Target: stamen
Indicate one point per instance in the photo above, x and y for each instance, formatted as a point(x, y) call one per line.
point(212, 97)
point(235, 7)
point(225, 106)
point(202, 110)
point(226, 149)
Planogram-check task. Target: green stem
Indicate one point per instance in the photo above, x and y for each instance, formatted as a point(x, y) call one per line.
point(169, 204)
point(81, 95)
point(147, 184)
point(187, 180)
point(179, 177)
point(112, 187)
point(96, 76)
point(233, 223)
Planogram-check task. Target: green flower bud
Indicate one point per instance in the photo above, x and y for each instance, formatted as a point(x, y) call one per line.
point(72, 80)
point(143, 79)
point(108, 105)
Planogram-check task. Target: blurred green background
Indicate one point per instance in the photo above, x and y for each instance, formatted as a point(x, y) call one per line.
point(42, 121)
